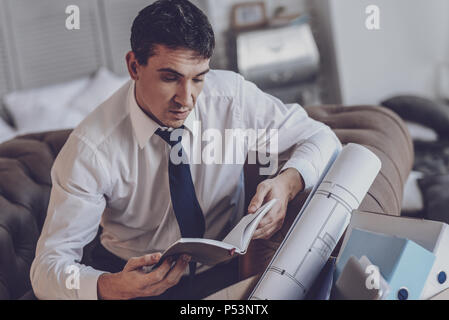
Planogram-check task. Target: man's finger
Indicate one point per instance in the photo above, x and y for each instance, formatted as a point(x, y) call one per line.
point(158, 274)
point(170, 278)
point(261, 233)
point(271, 232)
point(257, 200)
point(267, 230)
point(176, 273)
point(267, 220)
point(272, 216)
point(146, 260)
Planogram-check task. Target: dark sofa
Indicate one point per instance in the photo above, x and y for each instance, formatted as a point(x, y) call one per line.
point(25, 184)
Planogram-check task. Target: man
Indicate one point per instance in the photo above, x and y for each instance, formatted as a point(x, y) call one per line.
point(116, 168)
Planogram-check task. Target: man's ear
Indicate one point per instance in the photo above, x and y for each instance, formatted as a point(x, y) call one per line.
point(132, 64)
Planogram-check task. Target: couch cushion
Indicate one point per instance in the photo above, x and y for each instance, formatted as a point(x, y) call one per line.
point(25, 184)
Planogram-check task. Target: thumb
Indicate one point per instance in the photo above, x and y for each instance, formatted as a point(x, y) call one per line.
point(257, 200)
point(146, 260)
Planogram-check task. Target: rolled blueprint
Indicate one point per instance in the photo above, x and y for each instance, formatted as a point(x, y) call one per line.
point(319, 226)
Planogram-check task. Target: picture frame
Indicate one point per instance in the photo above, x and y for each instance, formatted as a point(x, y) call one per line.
point(249, 15)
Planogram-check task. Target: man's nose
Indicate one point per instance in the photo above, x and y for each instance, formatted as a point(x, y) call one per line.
point(184, 95)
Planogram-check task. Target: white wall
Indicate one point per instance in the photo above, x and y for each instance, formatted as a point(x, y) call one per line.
point(401, 57)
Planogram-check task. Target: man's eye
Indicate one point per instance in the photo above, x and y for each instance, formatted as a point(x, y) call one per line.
point(197, 80)
point(169, 79)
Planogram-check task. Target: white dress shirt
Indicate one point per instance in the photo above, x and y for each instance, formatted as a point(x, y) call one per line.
point(113, 170)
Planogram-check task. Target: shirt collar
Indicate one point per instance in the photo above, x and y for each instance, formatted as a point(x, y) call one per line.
point(145, 127)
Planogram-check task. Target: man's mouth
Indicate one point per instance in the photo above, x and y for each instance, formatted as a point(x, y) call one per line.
point(180, 115)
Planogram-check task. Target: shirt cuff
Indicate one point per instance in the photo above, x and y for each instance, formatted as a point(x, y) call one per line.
point(88, 284)
point(305, 169)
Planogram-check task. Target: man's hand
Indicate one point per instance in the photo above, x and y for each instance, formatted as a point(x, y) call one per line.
point(284, 187)
point(133, 282)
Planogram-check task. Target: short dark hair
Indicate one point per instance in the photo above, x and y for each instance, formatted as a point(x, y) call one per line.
point(172, 23)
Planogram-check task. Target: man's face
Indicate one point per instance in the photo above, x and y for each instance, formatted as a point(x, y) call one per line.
point(168, 86)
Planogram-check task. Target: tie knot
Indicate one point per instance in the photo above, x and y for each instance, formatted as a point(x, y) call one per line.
point(171, 137)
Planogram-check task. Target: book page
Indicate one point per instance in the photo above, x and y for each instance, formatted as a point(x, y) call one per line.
point(205, 251)
point(242, 233)
point(212, 252)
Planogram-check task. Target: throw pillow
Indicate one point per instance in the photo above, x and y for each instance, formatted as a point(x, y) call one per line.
point(45, 108)
point(421, 110)
point(102, 86)
point(420, 132)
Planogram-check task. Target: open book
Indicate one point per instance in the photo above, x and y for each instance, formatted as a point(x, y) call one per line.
point(211, 252)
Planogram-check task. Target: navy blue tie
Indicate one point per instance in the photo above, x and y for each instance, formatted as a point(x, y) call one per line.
point(182, 192)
